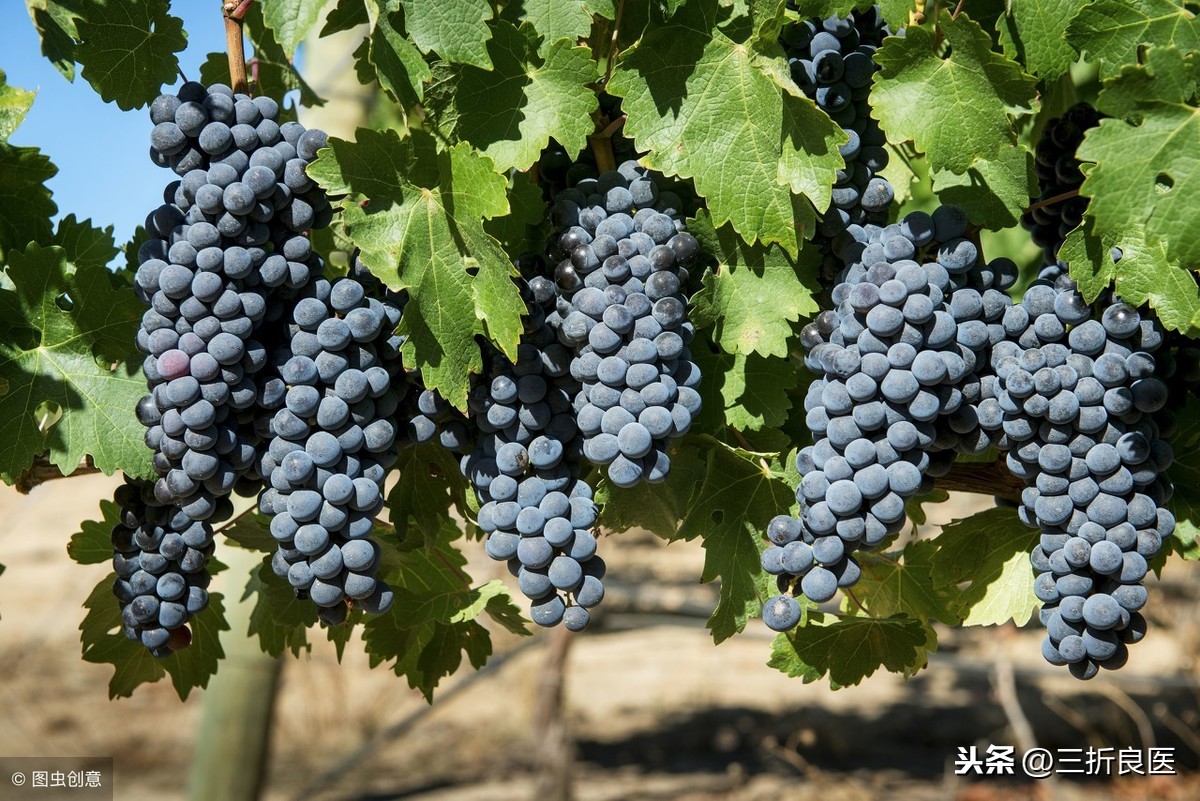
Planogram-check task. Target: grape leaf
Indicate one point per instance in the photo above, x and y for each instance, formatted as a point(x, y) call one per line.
point(990, 549)
point(55, 23)
point(458, 31)
point(955, 109)
point(127, 49)
point(1144, 173)
point(388, 55)
point(435, 615)
point(14, 105)
point(851, 649)
point(291, 20)
point(430, 486)
point(754, 294)
point(346, 14)
point(553, 19)
point(730, 118)
point(1143, 275)
point(755, 391)
point(83, 244)
point(524, 229)
point(279, 619)
point(103, 643)
point(906, 586)
point(511, 110)
point(25, 203)
point(417, 214)
point(742, 491)
point(66, 337)
point(994, 191)
point(1185, 473)
point(1111, 31)
point(92, 544)
point(1034, 32)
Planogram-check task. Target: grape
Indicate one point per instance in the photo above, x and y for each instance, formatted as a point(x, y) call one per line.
point(781, 613)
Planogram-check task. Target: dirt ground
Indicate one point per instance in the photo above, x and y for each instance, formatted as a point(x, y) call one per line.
point(653, 710)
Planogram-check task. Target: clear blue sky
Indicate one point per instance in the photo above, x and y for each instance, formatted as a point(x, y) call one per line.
point(104, 171)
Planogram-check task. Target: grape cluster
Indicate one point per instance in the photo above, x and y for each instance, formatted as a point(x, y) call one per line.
point(332, 404)
point(1058, 173)
point(160, 555)
point(227, 239)
point(899, 361)
point(525, 468)
point(832, 61)
point(1075, 412)
point(622, 255)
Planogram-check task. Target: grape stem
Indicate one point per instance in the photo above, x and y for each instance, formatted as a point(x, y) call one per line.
point(982, 478)
point(612, 47)
point(1050, 201)
point(235, 14)
point(602, 149)
point(958, 9)
point(42, 471)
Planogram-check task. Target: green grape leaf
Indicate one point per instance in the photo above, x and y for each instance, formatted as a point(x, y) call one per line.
point(1143, 173)
point(906, 586)
point(1034, 33)
point(429, 489)
point(990, 549)
point(291, 20)
point(434, 618)
point(955, 109)
point(92, 544)
point(127, 49)
point(850, 649)
point(1185, 473)
point(524, 229)
point(417, 214)
point(742, 491)
point(103, 643)
point(512, 109)
point(66, 338)
point(1112, 31)
point(894, 11)
point(14, 105)
point(25, 203)
point(388, 55)
point(458, 31)
point(345, 15)
point(754, 294)
point(1143, 275)
point(252, 532)
point(279, 619)
point(554, 19)
point(710, 109)
point(55, 23)
point(83, 244)
point(755, 391)
point(994, 192)
point(657, 508)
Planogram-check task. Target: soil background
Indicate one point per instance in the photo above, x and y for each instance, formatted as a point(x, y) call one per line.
point(650, 708)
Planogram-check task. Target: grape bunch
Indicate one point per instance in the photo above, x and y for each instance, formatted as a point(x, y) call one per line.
point(1058, 173)
point(622, 256)
point(832, 61)
point(160, 555)
point(227, 240)
point(898, 362)
point(1075, 410)
point(332, 406)
point(524, 465)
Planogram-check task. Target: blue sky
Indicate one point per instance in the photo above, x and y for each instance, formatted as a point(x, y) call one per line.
point(104, 172)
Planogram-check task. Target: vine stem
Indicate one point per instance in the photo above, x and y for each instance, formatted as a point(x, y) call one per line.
point(235, 15)
point(958, 9)
point(1050, 201)
point(612, 48)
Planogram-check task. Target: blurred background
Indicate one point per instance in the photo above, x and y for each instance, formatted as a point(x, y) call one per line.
point(642, 706)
